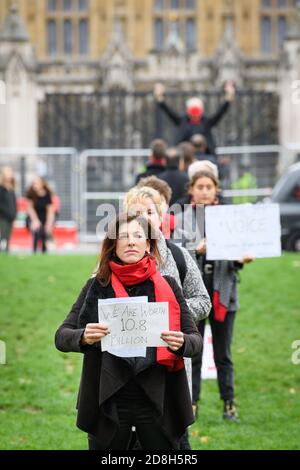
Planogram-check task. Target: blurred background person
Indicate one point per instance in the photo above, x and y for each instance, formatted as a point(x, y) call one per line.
point(41, 213)
point(195, 121)
point(199, 144)
point(8, 206)
point(157, 160)
point(176, 179)
point(187, 155)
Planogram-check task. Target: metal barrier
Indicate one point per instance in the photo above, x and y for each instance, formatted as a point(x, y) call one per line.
point(88, 180)
point(59, 166)
point(106, 175)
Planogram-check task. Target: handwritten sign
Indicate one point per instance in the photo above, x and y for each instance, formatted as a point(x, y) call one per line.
point(234, 231)
point(134, 324)
point(122, 351)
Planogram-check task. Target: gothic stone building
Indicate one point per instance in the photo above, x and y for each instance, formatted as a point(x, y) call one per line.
point(52, 51)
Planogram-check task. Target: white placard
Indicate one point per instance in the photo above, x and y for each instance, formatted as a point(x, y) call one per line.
point(133, 324)
point(188, 370)
point(138, 351)
point(234, 231)
point(208, 370)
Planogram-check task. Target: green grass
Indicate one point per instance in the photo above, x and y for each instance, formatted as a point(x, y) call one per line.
point(38, 385)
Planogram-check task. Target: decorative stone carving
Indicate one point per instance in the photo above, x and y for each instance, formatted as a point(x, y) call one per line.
point(117, 62)
point(228, 59)
point(18, 70)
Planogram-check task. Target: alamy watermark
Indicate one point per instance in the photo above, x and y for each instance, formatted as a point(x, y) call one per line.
point(2, 353)
point(189, 231)
point(2, 92)
point(296, 354)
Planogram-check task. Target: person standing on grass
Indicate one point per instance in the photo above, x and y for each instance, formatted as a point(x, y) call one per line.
point(8, 206)
point(174, 261)
point(220, 279)
point(41, 213)
point(150, 393)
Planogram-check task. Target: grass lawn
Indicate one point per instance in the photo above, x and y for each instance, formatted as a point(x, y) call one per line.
point(38, 385)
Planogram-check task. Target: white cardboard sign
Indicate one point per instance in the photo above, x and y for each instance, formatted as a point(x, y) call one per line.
point(133, 324)
point(234, 231)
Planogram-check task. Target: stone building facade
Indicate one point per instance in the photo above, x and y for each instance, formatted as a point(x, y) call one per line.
point(88, 46)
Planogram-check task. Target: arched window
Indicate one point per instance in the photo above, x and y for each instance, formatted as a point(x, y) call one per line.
point(273, 24)
point(52, 37)
point(67, 27)
point(175, 17)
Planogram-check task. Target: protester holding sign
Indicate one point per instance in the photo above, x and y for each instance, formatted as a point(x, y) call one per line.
point(220, 279)
point(150, 393)
point(174, 261)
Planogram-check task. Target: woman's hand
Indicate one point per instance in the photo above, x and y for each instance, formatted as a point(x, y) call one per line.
point(49, 228)
point(159, 92)
point(174, 339)
point(201, 248)
point(36, 225)
point(94, 332)
point(246, 259)
point(229, 89)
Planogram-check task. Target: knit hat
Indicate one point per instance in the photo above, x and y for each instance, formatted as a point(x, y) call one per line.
point(201, 165)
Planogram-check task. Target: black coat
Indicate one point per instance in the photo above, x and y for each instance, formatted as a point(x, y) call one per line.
point(8, 205)
point(103, 374)
point(152, 169)
point(177, 180)
point(187, 128)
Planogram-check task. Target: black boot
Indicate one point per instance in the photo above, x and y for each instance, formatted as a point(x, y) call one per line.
point(230, 412)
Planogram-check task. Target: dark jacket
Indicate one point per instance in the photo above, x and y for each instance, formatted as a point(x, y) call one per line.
point(104, 374)
point(200, 156)
point(187, 128)
point(186, 200)
point(8, 205)
point(224, 272)
point(152, 169)
point(177, 180)
point(183, 201)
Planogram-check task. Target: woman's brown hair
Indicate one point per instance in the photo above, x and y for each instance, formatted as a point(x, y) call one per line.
point(31, 194)
point(204, 174)
point(108, 251)
point(9, 184)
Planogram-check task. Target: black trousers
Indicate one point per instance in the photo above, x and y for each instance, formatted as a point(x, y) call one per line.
point(135, 409)
point(40, 235)
point(5, 234)
point(222, 338)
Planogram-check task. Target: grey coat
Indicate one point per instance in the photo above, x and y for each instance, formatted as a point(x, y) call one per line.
point(189, 232)
point(193, 288)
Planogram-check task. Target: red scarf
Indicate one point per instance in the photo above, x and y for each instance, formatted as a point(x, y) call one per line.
point(132, 274)
point(220, 311)
point(168, 225)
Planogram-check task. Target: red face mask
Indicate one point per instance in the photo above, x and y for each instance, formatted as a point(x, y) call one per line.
point(195, 113)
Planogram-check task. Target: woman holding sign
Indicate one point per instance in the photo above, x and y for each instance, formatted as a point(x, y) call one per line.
point(220, 279)
point(116, 393)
